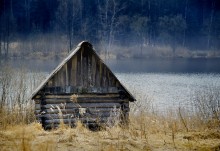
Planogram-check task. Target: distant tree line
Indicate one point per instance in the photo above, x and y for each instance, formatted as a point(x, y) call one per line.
point(194, 24)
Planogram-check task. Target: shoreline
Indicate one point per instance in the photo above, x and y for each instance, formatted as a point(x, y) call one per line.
point(112, 57)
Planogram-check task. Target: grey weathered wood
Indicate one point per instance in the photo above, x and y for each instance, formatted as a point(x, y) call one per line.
point(74, 110)
point(79, 96)
point(85, 100)
point(66, 121)
point(74, 71)
point(82, 80)
point(55, 111)
point(37, 106)
point(105, 114)
point(82, 105)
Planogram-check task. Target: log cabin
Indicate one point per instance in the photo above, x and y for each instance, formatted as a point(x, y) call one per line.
point(81, 88)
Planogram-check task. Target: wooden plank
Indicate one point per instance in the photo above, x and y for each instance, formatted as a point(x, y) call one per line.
point(51, 126)
point(117, 100)
point(74, 110)
point(97, 76)
point(98, 96)
point(65, 90)
point(74, 71)
point(63, 76)
point(66, 75)
point(85, 69)
point(55, 111)
point(82, 105)
point(86, 100)
point(51, 96)
point(93, 70)
point(37, 101)
point(97, 110)
point(86, 115)
point(57, 116)
point(66, 121)
point(49, 83)
point(56, 79)
point(90, 74)
point(58, 121)
point(81, 67)
point(57, 101)
point(37, 106)
point(37, 97)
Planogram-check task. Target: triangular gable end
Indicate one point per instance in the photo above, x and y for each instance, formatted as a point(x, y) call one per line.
point(82, 71)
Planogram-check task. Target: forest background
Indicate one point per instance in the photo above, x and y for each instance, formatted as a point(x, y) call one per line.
point(145, 28)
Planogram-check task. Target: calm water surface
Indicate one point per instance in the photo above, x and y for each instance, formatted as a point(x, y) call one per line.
point(167, 83)
point(168, 90)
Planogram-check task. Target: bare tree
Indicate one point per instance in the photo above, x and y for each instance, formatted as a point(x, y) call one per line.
point(7, 27)
point(210, 24)
point(67, 16)
point(27, 7)
point(171, 29)
point(140, 27)
point(109, 12)
point(185, 17)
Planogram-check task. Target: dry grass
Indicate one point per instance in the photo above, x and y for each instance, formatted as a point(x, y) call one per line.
point(16, 86)
point(176, 130)
point(145, 132)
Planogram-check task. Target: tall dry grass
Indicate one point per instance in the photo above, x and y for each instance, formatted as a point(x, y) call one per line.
point(147, 129)
point(16, 86)
point(206, 103)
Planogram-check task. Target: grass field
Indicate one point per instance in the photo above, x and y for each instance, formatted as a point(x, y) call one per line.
point(147, 130)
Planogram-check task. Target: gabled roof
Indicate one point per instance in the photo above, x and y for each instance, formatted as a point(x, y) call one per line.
point(71, 54)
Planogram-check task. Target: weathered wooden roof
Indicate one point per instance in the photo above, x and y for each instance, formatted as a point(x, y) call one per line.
point(79, 46)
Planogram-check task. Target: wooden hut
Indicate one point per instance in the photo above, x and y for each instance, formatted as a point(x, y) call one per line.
point(81, 88)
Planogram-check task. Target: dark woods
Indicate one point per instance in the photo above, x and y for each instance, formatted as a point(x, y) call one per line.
point(30, 25)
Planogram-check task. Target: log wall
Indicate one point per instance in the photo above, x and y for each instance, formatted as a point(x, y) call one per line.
point(87, 108)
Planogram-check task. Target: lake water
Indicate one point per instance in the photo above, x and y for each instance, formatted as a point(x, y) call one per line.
point(168, 90)
point(166, 83)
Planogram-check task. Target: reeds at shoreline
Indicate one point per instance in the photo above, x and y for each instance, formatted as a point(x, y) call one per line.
point(147, 129)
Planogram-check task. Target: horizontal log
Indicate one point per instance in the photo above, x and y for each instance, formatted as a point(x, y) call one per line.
point(85, 100)
point(57, 101)
point(51, 96)
point(37, 101)
point(73, 110)
point(75, 115)
point(98, 95)
point(56, 125)
point(97, 110)
point(37, 106)
point(71, 89)
point(55, 111)
point(52, 126)
point(37, 97)
point(84, 120)
point(83, 105)
point(56, 116)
